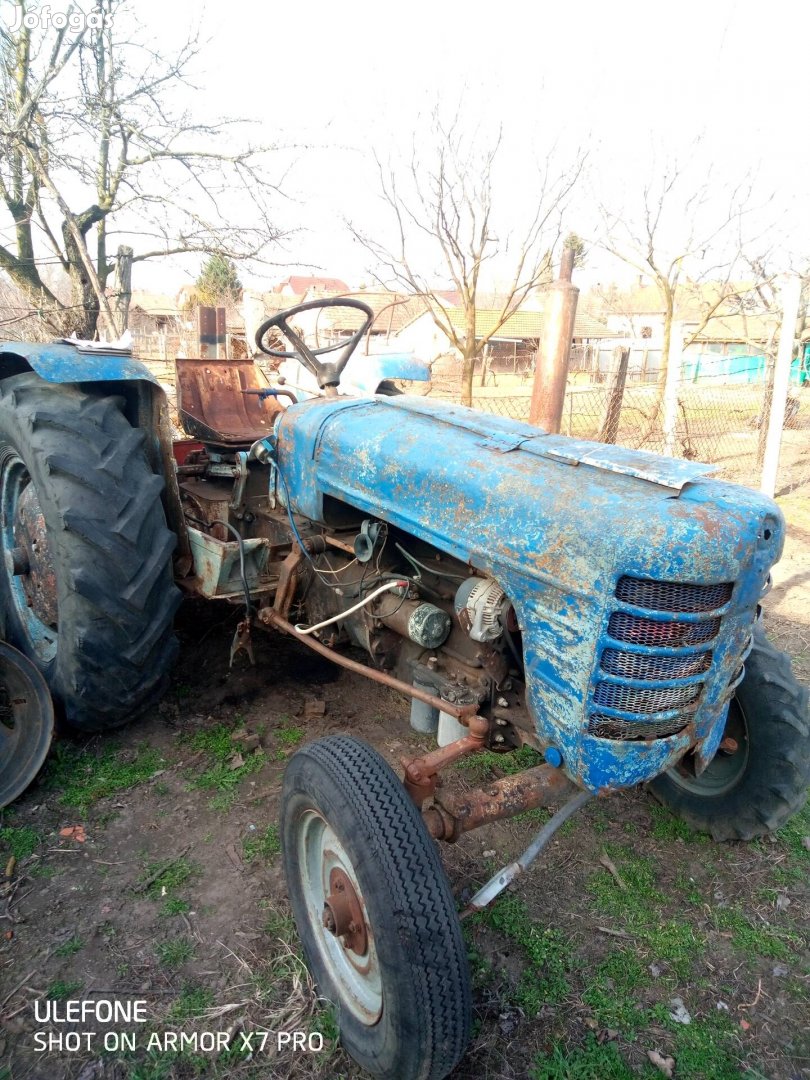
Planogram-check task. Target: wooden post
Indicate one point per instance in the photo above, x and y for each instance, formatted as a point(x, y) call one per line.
point(784, 358)
point(123, 287)
point(615, 393)
point(551, 367)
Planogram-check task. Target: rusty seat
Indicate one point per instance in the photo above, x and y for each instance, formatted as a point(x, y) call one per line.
point(218, 403)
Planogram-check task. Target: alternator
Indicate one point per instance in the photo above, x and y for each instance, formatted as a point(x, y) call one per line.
point(480, 604)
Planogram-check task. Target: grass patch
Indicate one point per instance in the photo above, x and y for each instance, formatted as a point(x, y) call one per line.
point(704, 1048)
point(19, 841)
point(85, 778)
point(486, 763)
point(289, 734)
point(545, 952)
point(59, 990)
point(221, 777)
point(668, 828)
point(176, 873)
point(174, 906)
point(175, 952)
point(70, 947)
point(637, 909)
point(756, 939)
point(611, 995)
point(191, 1002)
point(591, 1061)
point(215, 741)
point(262, 845)
point(792, 836)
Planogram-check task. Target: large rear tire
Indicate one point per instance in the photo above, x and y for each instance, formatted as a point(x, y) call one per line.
point(374, 911)
point(760, 779)
point(86, 582)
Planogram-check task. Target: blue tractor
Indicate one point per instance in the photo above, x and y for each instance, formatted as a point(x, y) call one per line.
point(522, 589)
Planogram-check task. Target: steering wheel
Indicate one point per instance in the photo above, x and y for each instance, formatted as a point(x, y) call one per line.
point(328, 374)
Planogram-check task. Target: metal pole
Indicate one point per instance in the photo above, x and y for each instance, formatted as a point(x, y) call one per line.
point(791, 292)
point(551, 368)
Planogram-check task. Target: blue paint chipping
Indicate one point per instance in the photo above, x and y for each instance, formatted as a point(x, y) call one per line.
point(560, 523)
point(60, 363)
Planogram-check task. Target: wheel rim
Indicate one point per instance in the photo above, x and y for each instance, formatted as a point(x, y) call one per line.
point(334, 900)
point(724, 771)
point(28, 561)
point(26, 723)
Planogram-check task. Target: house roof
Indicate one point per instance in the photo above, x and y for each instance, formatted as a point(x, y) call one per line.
point(393, 312)
point(300, 283)
point(153, 303)
point(525, 325)
point(738, 328)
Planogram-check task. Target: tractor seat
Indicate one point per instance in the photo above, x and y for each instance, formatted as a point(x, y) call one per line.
point(213, 407)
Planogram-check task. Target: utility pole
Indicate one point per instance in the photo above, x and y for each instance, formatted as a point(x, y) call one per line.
point(551, 367)
point(791, 293)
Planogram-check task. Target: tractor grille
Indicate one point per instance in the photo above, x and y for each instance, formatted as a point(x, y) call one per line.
point(613, 727)
point(633, 628)
point(652, 700)
point(673, 595)
point(656, 630)
point(637, 666)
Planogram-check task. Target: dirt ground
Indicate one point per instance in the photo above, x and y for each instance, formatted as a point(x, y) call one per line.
point(171, 892)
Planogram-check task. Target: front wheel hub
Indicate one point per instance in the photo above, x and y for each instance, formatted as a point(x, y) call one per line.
point(343, 914)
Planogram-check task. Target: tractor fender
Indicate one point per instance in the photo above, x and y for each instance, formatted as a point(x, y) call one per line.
point(61, 363)
point(144, 405)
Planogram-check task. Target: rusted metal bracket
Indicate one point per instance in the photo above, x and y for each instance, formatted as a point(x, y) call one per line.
point(422, 773)
point(287, 580)
point(541, 786)
point(242, 642)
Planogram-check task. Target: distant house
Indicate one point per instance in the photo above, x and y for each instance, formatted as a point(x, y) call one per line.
point(295, 286)
point(151, 313)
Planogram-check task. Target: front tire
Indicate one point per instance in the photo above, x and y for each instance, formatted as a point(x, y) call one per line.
point(86, 581)
point(353, 842)
point(753, 789)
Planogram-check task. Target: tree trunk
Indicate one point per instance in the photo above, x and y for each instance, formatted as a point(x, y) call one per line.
point(81, 319)
point(467, 369)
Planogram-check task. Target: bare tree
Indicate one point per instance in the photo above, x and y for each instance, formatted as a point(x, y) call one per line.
point(92, 156)
point(691, 239)
point(449, 223)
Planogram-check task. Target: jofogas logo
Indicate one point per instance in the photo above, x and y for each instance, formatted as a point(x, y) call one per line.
point(45, 18)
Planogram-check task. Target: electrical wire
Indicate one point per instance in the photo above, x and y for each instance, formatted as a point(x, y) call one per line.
point(388, 587)
point(421, 566)
point(242, 573)
point(337, 587)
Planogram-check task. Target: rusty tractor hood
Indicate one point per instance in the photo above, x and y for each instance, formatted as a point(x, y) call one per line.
point(557, 522)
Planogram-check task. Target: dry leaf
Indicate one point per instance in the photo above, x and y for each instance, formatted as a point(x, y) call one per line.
point(609, 865)
point(665, 1064)
point(74, 832)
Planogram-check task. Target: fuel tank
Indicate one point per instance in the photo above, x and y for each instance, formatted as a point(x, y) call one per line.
point(635, 578)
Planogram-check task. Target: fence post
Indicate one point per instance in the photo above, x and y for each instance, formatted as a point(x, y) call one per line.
point(615, 393)
point(551, 371)
point(670, 418)
point(792, 292)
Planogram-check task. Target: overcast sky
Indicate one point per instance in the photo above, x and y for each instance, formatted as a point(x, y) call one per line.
point(632, 82)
